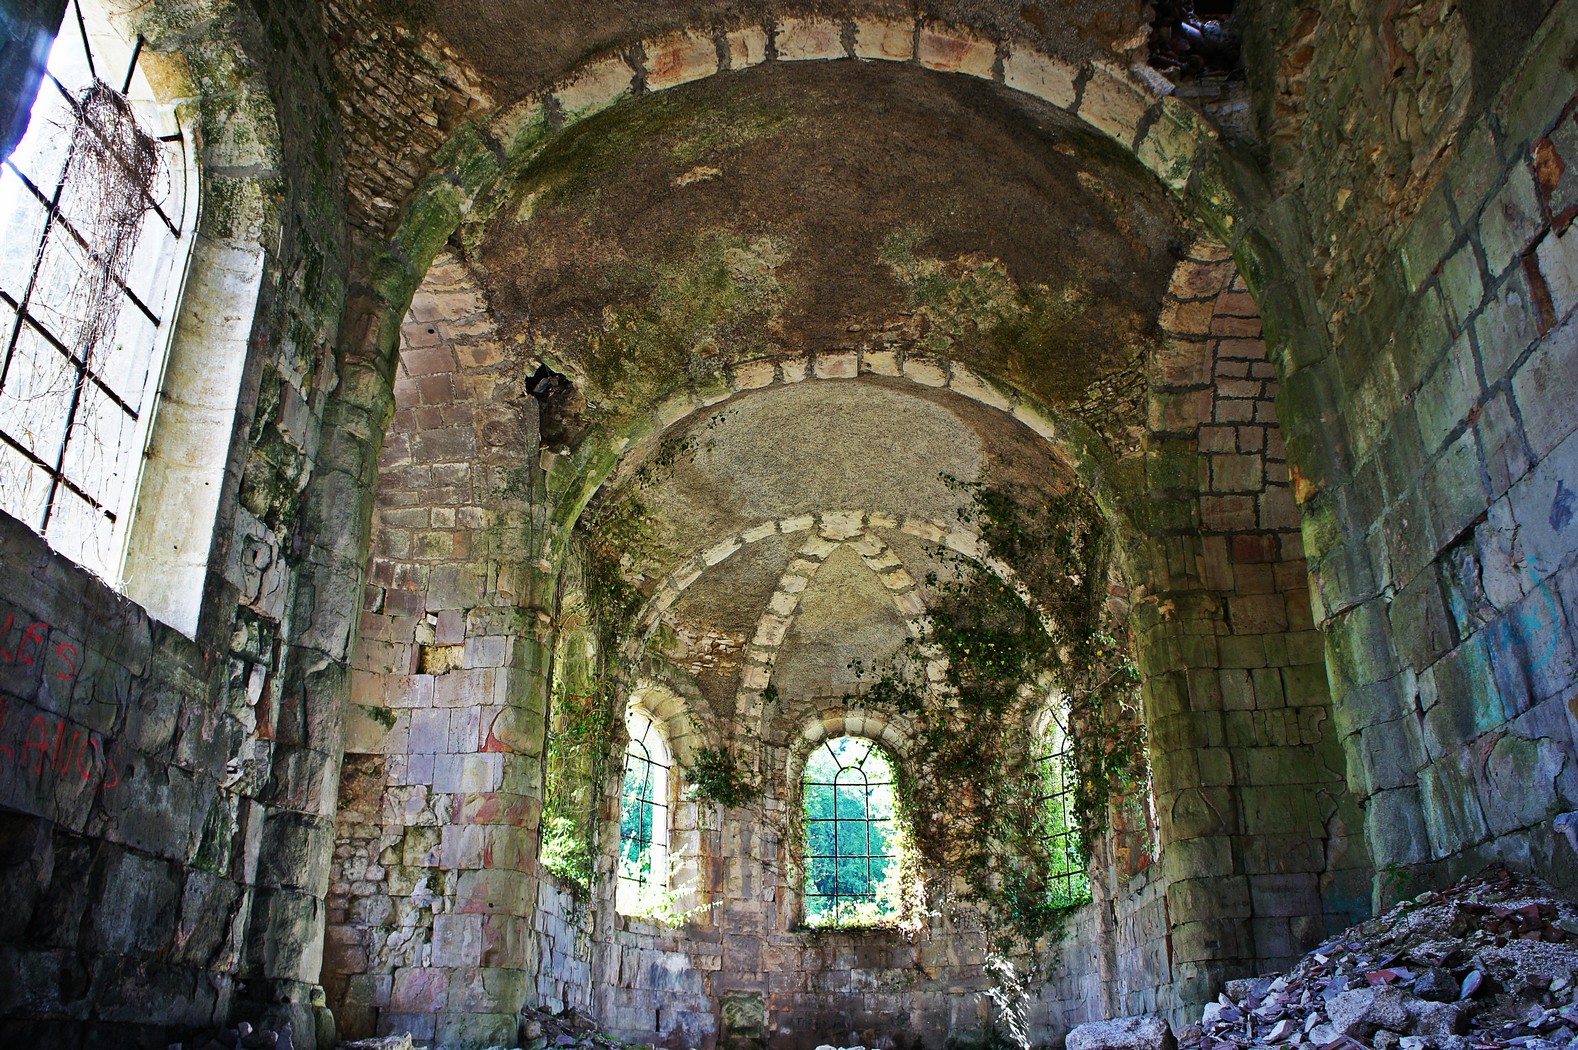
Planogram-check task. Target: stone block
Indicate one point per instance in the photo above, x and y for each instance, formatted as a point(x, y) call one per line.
point(1447, 395)
point(429, 730)
point(1172, 142)
point(1510, 222)
point(956, 50)
point(1557, 259)
point(1286, 896)
point(419, 990)
point(597, 86)
point(457, 940)
point(809, 39)
point(1502, 447)
point(1047, 78)
point(1545, 387)
point(680, 59)
point(1124, 1033)
point(746, 47)
point(1112, 104)
point(1426, 242)
point(1359, 1012)
point(890, 41)
point(1453, 816)
point(1394, 827)
point(1208, 940)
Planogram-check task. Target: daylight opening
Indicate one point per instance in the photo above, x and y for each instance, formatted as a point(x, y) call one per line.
point(852, 867)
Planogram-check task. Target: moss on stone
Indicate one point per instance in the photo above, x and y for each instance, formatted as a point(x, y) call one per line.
point(719, 303)
point(602, 149)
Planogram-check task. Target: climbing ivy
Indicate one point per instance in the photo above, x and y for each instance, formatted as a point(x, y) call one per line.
point(976, 788)
point(598, 607)
point(716, 776)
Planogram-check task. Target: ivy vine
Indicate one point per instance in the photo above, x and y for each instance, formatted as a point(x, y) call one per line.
point(598, 606)
point(976, 793)
point(717, 776)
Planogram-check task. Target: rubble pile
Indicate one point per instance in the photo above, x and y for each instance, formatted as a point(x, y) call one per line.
point(1491, 962)
point(545, 1030)
point(242, 1037)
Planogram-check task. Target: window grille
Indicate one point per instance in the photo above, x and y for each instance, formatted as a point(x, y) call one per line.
point(643, 816)
point(1069, 883)
point(91, 206)
point(851, 860)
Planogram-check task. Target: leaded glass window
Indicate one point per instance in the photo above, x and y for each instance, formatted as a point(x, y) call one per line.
point(852, 867)
point(92, 244)
point(1069, 883)
point(643, 817)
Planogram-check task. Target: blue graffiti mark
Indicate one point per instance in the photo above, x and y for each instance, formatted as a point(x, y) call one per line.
point(1536, 620)
point(1563, 507)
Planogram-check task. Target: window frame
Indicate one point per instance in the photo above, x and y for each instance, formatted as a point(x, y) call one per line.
point(95, 48)
point(635, 896)
point(1056, 777)
point(834, 917)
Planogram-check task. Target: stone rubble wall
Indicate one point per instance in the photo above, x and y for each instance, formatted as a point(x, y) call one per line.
point(164, 862)
point(1434, 441)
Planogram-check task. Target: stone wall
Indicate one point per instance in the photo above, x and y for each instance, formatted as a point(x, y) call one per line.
point(436, 920)
point(1260, 841)
point(1433, 440)
point(434, 883)
point(161, 846)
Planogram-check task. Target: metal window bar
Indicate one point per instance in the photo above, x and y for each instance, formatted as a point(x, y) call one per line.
point(1057, 803)
point(635, 844)
point(56, 220)
point(863, 887)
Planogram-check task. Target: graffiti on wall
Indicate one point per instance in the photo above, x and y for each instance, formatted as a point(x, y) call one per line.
point(53, 748)
point(29, 648)
point(45, 746)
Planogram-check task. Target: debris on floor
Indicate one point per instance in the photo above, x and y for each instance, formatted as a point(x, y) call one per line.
point(1489, 963)
point(243, 1037)
point(545, 1030)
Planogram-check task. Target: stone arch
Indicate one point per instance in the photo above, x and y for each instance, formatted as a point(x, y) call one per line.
point(1181, 659)
point(892, 733)
point(673, 716)
point(478, 166)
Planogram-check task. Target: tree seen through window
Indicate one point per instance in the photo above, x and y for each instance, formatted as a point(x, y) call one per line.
point(643, 817)
point(852, 867)
point(1070, 884)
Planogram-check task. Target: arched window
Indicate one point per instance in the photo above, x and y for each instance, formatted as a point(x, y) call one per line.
point(643, 817)
point(94, 238)
point(1070, 883)
point(852, 868)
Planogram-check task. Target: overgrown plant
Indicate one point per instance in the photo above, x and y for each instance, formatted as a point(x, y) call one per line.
point(598, 606)
point(977, 794)
point(717, 776)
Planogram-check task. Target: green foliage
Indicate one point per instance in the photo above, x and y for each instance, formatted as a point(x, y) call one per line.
point(580, 743)
point(975, 306)
point(565, 851)
point(1394, 881)
point(851, 779)
point(978, 796)
point(598, 607)
point(716, 776)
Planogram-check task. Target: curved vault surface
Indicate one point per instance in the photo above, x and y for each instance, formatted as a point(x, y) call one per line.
point(814, 206)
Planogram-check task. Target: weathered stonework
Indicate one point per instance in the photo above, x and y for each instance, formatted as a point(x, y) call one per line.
point(1340, 466)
